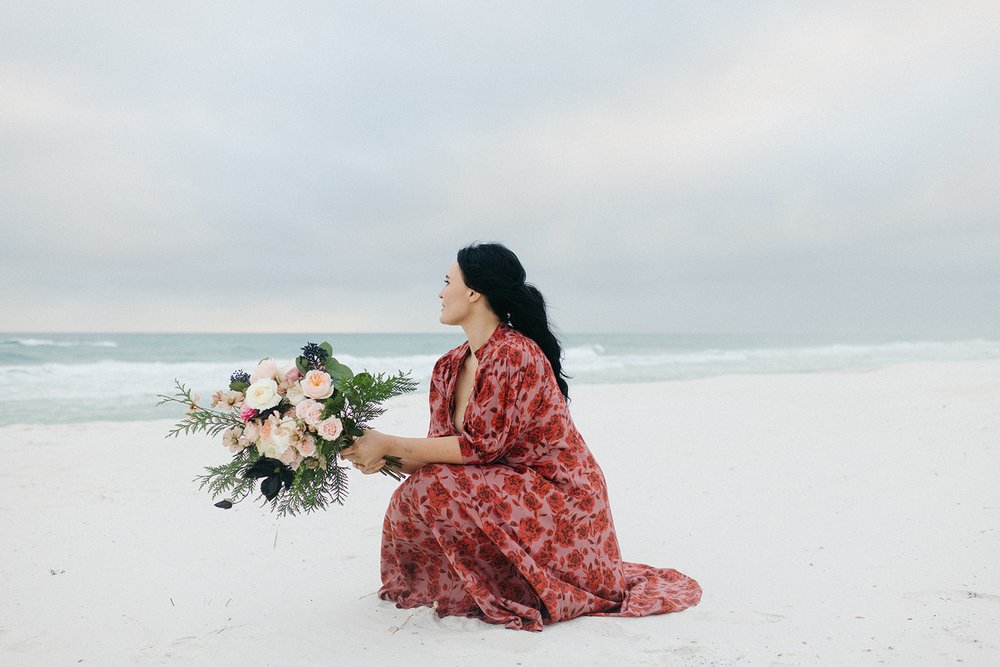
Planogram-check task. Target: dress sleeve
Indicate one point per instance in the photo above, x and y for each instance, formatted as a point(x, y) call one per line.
point(439, 424)
point(508, 383)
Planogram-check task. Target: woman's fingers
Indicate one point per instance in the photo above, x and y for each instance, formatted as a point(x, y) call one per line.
point(370, 468)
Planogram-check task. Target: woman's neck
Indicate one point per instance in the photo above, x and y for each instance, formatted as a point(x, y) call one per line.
point(479, 331)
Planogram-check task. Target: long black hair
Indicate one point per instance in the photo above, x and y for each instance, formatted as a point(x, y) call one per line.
point(495, 272)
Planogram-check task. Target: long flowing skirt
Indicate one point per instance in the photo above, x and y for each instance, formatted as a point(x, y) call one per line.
point(505, 545)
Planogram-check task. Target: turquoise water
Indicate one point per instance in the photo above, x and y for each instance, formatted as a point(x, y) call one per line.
point(63, 378)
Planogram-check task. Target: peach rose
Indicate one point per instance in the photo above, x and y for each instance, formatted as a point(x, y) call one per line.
point(318, 385)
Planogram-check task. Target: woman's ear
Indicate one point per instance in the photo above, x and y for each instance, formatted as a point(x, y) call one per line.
point(474, 296)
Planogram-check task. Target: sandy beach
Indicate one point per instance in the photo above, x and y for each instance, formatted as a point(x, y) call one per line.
point(831, 518)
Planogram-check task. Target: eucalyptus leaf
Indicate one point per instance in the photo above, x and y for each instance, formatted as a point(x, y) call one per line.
point(302, 365)
point(338, 371)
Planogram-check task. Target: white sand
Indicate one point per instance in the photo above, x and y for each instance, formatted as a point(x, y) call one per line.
point(834, 518)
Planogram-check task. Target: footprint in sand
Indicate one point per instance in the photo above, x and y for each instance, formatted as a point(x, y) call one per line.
point(953, 595)
point(770, 618)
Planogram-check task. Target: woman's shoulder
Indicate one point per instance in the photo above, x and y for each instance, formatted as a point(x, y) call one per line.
point(512, 345)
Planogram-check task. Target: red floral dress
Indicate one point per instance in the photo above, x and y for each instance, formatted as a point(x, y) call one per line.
point(521, 532)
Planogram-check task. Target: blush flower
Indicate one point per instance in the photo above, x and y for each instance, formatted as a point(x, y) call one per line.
point(267, 369)
point(291, 458)
point(309, 411)
point(317, 384)
point(330, 429)
point(251, 432)
point(229, 399)
point(306, 445)
point(233, 438)
point(294, 393)
point(246, 414)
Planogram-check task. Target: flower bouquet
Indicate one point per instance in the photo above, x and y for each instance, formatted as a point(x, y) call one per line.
point(287, 427)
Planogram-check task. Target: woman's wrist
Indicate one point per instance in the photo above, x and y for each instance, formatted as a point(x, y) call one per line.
point(391, 446)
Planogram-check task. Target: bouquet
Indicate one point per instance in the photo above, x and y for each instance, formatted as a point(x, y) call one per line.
point(287, 427)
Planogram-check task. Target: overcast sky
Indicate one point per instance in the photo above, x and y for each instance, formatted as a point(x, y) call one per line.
point(657, 166)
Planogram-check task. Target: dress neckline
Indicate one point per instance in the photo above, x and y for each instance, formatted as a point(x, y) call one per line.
point(498, 333)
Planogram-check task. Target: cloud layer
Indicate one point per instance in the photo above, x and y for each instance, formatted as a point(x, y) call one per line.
point(657, 167)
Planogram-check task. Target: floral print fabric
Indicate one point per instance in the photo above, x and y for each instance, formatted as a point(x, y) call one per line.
point(520, 533)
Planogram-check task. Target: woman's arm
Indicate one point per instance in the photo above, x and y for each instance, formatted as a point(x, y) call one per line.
point(368, 450)
point(444, 449)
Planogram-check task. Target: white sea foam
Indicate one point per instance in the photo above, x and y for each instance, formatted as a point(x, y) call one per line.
point(75, 388)
point(38, 342)
point(590, 364)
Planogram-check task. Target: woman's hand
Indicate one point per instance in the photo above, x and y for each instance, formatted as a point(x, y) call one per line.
point(368, 452)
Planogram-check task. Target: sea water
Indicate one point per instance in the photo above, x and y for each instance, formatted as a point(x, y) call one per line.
point(64, 378)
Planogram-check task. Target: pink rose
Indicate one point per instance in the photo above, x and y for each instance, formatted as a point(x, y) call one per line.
point(309, 411)
point(330, 429)
point(246, 414)
point(292, 375)
point(266, 370)
point(317, 384)
point(307, 446)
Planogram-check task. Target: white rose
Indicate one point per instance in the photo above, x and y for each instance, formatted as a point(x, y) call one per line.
point(265, 448)
point(262, 394)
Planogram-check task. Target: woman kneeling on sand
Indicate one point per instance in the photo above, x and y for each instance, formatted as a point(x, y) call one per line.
point(505, 514)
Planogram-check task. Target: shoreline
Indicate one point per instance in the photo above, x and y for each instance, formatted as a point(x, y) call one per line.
point(652, 386)
point(845, 517)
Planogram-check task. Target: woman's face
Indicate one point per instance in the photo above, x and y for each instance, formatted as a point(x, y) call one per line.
point(455, 304)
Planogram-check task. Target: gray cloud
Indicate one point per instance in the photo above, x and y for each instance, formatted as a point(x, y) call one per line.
point(656, 167)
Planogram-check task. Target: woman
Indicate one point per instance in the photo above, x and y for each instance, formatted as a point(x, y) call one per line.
point(505, 513)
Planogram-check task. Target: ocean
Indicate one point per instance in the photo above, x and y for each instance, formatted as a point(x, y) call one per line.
point(66, 378)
